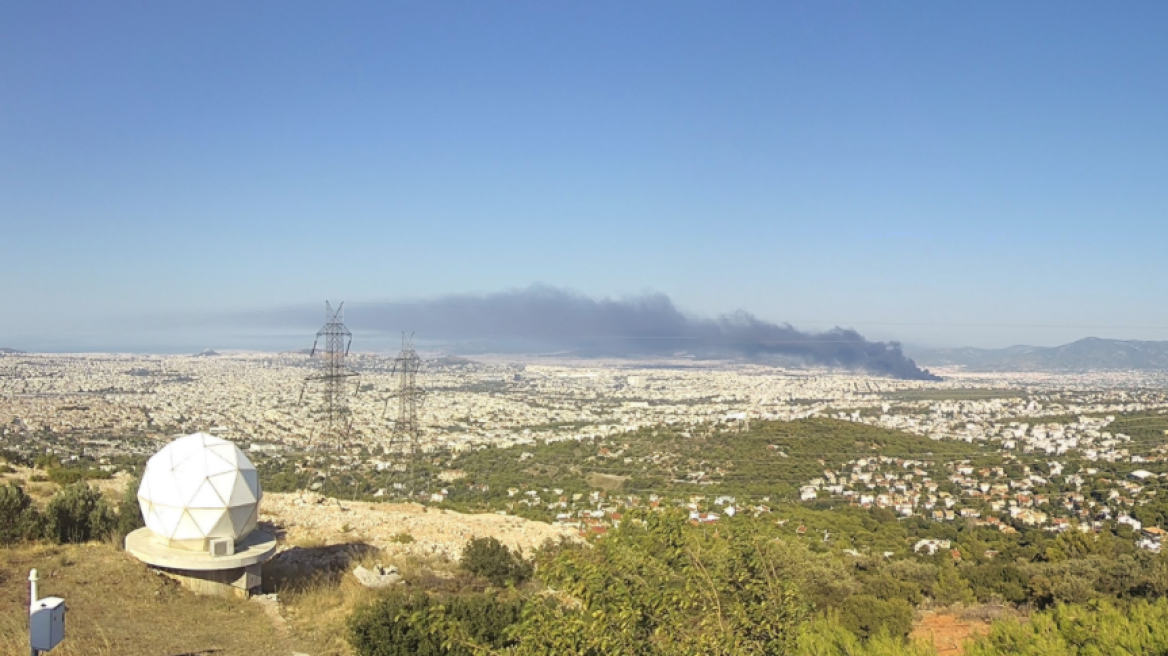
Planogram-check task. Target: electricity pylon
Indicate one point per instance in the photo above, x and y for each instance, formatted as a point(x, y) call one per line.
point(405, 438)
point(333, 374)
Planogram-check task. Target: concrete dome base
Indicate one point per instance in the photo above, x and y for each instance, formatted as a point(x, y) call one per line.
point(234, 575)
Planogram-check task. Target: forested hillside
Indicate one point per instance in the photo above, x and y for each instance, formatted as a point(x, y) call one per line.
point(769, 459)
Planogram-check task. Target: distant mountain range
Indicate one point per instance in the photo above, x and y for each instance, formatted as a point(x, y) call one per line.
point(10, 350)
point(1087, 354)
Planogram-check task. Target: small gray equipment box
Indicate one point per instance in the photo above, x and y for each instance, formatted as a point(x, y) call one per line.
point(46, 623)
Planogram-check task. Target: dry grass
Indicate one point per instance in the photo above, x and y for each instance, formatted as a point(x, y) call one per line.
point(318, 593)
point(988, 612)
point(317, 610)
point(112, 488)
point(117, 606)
point(42, 491)
point(309, 542)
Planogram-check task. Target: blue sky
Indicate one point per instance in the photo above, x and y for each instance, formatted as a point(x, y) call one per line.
point(941, 173)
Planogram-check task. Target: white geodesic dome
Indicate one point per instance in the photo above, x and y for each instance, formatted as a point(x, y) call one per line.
point(199, 487)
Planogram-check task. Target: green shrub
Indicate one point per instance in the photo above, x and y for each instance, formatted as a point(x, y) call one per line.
point(69, 475)
point(492, 560)
point(997, 580)
point(951, 588)
point(657, 586)
point(19, 519)
point(1095, 628)
point(415, 624)
point(78, 513)
point(866, 616)
point(888, 588)
point(129, 511)
point(825, 635)
point(14, 458)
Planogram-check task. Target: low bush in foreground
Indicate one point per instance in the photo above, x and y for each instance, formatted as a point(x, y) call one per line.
point(492, 560)
point(660, 587)
point(866, 616)
point(416, 624)
point(1079, 630)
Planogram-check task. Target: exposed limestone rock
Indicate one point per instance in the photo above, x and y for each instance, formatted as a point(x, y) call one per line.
point(378, 577)
point(405, 528)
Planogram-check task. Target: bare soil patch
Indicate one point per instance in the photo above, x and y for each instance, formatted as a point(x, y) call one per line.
point(606, 482)
point(948, 632)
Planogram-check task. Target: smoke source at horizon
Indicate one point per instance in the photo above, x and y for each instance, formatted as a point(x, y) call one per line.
point(540, 319)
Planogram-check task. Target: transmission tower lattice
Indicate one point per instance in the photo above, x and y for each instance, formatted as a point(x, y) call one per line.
point(405, 440)
point(333, 375)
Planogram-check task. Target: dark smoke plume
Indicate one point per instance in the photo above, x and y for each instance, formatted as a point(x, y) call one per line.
point(547, 318)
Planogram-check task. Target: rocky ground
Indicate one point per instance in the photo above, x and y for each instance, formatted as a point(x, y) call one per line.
point(309, 518)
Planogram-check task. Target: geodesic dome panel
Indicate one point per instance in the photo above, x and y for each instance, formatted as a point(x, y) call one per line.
point(197, 487)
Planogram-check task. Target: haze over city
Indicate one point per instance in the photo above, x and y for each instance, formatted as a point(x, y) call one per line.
point(944, 175)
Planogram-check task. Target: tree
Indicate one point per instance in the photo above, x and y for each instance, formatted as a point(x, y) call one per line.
point(657, 586)
point(492, 560)
point(887, 587)
point(78, 513)
point(951, 588)
point(19, 520)
point(866, 616)
point(416, 624)
point(997, 580)
point(827, 636)
point(129, 511)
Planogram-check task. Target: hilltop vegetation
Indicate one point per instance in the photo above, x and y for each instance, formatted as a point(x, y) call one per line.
point(658, 585)
point(771, 459)
point(819, 576)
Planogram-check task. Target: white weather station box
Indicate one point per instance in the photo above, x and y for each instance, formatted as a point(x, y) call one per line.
point(46, 620)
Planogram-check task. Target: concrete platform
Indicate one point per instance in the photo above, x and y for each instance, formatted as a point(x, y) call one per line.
point(256, 548)
point(237, 575)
